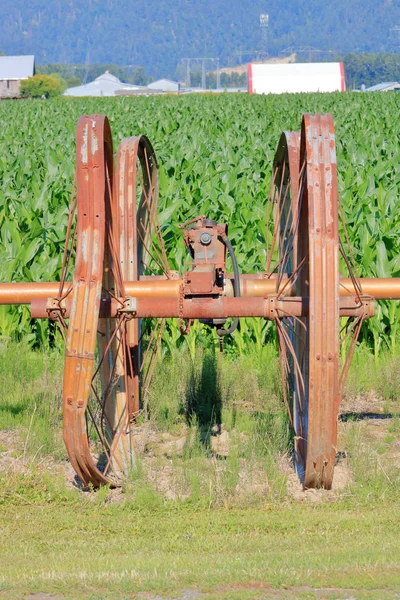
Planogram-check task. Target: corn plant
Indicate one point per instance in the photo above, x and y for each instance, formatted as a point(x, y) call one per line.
point(215, 156)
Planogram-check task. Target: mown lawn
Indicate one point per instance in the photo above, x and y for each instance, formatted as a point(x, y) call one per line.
point(115, 551)
point(211, 541)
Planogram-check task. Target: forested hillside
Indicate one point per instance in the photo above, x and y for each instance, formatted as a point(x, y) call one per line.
point(156, 34)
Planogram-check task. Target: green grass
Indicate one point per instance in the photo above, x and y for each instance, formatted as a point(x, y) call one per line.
point(113, 551)
point(191, 520)
point(31, 396)
point(223, 524)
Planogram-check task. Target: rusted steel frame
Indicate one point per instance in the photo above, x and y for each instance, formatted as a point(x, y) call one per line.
point(126, 233)
point(224, 307)
point(136, 197)
point(205, 307)
point(320, 225)
point(114, 416)
point(93, 162)
point(356, 306)
point(150, 189)
point(287, 168)
point(26, 293)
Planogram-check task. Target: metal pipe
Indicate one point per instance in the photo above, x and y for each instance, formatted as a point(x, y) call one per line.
point(24, 293)
point(379, 288)
point(201, 308)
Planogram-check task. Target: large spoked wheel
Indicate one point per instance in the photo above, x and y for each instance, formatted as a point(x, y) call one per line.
point(309, 256)
point(94, 171)
point(95, 408)
point(117, 240)
point(141, 254)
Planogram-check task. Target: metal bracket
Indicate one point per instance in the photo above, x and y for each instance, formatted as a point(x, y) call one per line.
point(55, 308)
point(129, 307)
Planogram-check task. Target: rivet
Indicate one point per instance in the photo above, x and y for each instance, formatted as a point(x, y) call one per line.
point(80, 403)
point(318, 357)
point(69, 400)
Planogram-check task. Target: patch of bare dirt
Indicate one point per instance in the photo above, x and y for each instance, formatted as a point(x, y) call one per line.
point(160, 453)
point(184, 595)
point(12, 458)
point(341, 478)
point(366, 403)
point(148, 441)
point(41, 596)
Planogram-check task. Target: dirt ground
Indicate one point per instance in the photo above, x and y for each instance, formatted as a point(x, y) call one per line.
point(158, 452)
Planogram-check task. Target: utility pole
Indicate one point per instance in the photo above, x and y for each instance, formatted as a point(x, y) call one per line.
point(203, 62)
point(264, 24)
point(187, 72)
point(397, 31)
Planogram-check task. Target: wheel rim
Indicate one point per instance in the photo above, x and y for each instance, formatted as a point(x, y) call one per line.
point(309, 254)
point(141, 254)
point(319, 280)
point(117, 239)
point(93, 175)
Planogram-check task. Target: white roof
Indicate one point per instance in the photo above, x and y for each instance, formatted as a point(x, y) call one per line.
point(17, 67)
point(295, 77)
point(385, 86)
point(104, 85)
point(164, 85)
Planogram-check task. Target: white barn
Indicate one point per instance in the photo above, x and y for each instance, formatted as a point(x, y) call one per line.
point(266, 78)
point(164, 85)
point(104, 85)
point(13, 70)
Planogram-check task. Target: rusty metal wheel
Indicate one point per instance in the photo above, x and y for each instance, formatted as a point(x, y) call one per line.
point(94, 168)
point(117, 239)
point(309, 256)
point(141, 254)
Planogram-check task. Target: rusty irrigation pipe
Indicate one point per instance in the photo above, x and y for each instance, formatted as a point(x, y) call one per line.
point(220, 307)
point(250, 287)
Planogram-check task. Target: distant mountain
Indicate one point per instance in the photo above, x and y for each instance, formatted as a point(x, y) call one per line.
point(156, 34)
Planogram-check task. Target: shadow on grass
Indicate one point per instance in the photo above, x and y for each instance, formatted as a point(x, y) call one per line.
point(362, 416)
point(203, 402)
point(16, 409)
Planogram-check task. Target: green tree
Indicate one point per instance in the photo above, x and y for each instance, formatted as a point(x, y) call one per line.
point(41, 85)
point(369, 69)
point(73, 81)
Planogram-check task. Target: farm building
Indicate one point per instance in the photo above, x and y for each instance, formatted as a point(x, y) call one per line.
point(266, 78)
point(390, 86)
point(13, 69)
point(104, 85)
point(164, 85)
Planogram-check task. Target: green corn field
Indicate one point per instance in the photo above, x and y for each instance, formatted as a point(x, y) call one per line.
point(215, 156)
